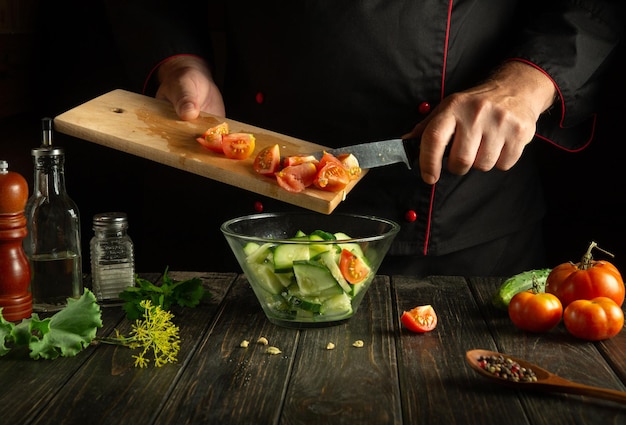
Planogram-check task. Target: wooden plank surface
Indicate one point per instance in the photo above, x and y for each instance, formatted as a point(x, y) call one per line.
point(149, 128)
point(108, 387)
point(398, 377)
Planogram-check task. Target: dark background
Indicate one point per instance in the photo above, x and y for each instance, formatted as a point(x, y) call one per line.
point(57, 55)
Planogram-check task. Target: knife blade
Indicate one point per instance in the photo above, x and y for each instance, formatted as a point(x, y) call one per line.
point(379, 153)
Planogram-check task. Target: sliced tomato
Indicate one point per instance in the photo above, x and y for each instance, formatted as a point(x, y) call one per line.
point(267, 161)
point(299, 159)
point(295, 178)
point(353, 268)
point(352, 165)
point(332, 176)
point(238, 145)
point(420, 319)
point(212, 138)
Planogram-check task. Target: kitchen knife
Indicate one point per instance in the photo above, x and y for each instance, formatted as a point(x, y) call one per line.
point(380, 153)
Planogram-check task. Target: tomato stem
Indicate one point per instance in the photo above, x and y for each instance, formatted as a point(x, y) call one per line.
point(538, 287)
point(586, 261)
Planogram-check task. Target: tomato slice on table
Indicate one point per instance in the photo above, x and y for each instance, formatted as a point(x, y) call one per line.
point(420, 319)
point(353, 268)
point(296, 178)
point(267, 161)
point(212, 138)
point(238, 145)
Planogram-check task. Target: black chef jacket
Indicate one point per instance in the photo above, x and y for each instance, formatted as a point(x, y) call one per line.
point(345, 72)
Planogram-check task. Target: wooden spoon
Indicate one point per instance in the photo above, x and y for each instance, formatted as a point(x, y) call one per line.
point(546, 381)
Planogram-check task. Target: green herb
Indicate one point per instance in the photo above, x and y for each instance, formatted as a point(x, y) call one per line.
point(65, 333)
point(185, 293)
point(155, 334)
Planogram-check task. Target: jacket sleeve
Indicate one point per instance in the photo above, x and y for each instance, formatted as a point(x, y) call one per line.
point(148, 32)
point(573, 42)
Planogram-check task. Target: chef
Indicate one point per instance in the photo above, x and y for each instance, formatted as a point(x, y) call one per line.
point(479, 83)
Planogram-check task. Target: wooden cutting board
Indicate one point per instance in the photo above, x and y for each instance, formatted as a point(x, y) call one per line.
point(149, 128)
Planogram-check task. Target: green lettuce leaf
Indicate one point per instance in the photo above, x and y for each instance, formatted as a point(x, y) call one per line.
point(68, 331)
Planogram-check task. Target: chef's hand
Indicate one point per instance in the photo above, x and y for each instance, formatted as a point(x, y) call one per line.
point(487, 126)
point(187, 83)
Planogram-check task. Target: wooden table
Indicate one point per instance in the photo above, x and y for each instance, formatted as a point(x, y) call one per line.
point(398, 377)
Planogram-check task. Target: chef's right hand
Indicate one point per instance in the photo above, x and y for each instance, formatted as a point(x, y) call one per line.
point(186, 82)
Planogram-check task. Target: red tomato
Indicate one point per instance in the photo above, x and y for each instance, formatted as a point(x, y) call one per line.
point(267, 161)
point(535, 312)
point(212, 138)
point(295, 178)
point(299, 159)
point(332, 176)
point(238, 145)
point(420, 319)
point(351, 164)
point(353, 268)
point(586, 280)
point(594, 320)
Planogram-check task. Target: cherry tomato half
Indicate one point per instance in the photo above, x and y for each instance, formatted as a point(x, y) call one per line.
point(267, 161)
point(420, 319)
point(350, 162)
point(238, 145)
point(594, 320)
point(212, 138)
point(295, 178)
point(353, 268)
point(299, 159)
point(535, 312)
point(332, 176)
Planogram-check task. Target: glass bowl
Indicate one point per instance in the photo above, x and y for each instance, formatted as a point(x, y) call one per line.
point(309, 269)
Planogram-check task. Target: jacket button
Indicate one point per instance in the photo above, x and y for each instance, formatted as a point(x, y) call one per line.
point(258, 206)
point(410, 216)
point(259, 98)
point(424, 108)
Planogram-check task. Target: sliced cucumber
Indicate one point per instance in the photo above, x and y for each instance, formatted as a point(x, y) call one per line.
point(314, 279)
point(337, 305)
point(308, 304)
point(286, 254)
point(265, 276)
point(352, 247)
point(256, 253)
point(329, 259)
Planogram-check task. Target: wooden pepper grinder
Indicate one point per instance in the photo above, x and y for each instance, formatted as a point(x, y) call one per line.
point(16, 300)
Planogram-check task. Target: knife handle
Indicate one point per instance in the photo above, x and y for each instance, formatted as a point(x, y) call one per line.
point(412, 149)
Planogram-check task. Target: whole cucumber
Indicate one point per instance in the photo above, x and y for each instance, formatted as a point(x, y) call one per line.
point(518, 283)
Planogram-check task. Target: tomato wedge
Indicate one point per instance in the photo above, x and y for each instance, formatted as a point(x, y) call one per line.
point(267, 161)
point(332, 177)
point(299, 159)
point(420, 319)
point(351, 164)
point(238, 145)
point(295, 178)
point(212, 138)
point(353, 268)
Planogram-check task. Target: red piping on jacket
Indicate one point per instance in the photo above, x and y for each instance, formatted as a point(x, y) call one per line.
point(539, 136)
point(443, 93)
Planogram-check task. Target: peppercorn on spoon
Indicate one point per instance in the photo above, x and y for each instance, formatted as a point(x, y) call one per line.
point(545, 380)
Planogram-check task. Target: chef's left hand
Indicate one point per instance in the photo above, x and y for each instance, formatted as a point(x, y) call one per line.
point(487, 126)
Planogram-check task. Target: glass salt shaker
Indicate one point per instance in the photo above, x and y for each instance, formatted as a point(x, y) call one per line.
point(53, 244)
point(112, 256)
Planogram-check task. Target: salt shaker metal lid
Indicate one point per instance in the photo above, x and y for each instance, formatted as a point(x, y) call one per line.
point(110, 220)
